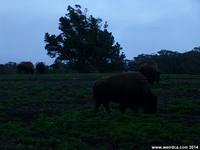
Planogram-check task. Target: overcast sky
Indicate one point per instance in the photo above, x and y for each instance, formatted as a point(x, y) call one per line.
point(140, 26)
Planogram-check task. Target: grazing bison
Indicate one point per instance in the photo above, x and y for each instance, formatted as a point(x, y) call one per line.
point(25, 67)
point(41, 67)
point(150, 70)
point(130, 89)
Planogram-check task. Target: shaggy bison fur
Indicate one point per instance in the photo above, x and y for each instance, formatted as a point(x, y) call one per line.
point(150, 70)
point(130, 90)
point(25, 67)
point(41, 67)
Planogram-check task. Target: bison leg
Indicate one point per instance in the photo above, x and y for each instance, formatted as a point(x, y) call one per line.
point(122, 108)
point(97, 105)
point(106, 105)
point(151, 106)
point(134, 108)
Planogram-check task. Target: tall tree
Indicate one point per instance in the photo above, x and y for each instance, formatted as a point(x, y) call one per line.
point(84, 42)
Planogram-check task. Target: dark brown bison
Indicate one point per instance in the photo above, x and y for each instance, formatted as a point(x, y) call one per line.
point(41, 67)
point(150, 70)
point(130, 90)
point(25, 67)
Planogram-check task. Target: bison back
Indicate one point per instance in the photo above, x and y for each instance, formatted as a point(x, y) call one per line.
point(121, 87)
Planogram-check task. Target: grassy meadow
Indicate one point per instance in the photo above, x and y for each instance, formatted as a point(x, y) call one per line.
point(55, 111)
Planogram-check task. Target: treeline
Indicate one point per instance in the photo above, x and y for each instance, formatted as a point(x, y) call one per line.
point(39, 67)
point(28, 68)
point(170, 62)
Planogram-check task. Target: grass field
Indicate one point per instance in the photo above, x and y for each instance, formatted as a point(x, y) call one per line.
point(56, 112)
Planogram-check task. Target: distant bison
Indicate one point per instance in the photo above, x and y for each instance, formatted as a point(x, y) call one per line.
point(41, 67)
point(25, 67)
point(130, 90)
point(150, 70)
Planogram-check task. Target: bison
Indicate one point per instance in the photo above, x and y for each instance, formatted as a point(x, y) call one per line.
point(131, 90)
point(150, 70)
point(41, 67)
point(25, 67)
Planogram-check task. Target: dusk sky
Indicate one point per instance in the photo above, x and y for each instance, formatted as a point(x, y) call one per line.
point(140, 26)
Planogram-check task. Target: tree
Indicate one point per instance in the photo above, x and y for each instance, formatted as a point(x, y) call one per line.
point(171, 61)
point(84, 42)
point(10, 67)
point(168, 52)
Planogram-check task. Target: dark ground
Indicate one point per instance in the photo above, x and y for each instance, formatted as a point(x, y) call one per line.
point(56, 112)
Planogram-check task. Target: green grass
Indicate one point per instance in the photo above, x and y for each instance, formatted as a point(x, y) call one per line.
point(56, 112)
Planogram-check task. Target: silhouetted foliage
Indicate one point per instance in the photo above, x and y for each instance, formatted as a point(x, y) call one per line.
point(85, 43)
point(25, 67)
point(170, 61)
point(2, 68)
point(59, 67)
point(41, 67)
point(10, 67)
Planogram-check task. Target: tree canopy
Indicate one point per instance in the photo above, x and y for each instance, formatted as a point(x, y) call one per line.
point(170, 61)
point(85, 43)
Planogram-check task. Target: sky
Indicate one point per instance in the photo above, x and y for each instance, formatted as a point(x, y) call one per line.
point(140, 26)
